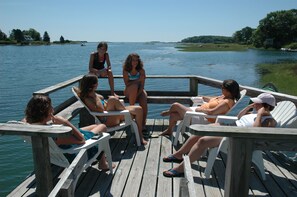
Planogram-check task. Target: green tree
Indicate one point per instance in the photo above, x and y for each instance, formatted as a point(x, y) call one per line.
point(208, 39)
point(243, 36)
point(276, 29)
point(35, 35)
point(62, 39)
point(17, 34)
point(3, 36)
point(46, 37)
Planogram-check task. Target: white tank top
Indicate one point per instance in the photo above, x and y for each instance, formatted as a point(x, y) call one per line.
point(249, 119)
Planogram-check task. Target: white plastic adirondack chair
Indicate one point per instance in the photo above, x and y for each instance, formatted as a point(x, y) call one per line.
point(285, 115)
point(190, 114)
point(128, 122)
point(58, 158)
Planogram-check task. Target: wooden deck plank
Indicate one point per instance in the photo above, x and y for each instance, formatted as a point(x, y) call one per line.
point(118, 144)
point(150, 176)
point(139, 172)
point(279, 178)
point(164, 187)
point(123, 170)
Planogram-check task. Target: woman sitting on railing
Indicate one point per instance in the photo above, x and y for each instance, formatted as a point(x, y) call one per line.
point(95, 102)
point(214, 106)
point(39, 111)
point(196, 145)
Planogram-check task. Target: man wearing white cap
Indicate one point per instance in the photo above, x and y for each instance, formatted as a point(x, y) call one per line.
point(262, 104)
point(260, 117)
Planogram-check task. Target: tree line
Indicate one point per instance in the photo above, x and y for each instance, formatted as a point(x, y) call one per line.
point(278, 29)
point(27, 36)
point(19, 36)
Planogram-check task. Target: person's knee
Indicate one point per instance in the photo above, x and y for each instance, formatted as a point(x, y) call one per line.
point(103, 128)
point(175, 104)
point(203, 142)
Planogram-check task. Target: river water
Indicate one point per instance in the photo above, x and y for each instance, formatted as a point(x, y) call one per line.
point(26, 69)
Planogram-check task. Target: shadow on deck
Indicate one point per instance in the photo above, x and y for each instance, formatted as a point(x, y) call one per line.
point(139, 170)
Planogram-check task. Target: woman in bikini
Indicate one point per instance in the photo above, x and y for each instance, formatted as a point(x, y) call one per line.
point(39, 111)
point(96, 64)
point(134, 79)
point(195, 146)
point(95, 102)
point(214, 106)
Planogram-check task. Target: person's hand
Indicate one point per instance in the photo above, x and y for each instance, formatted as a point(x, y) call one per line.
point(59, 120)
point(198, 109)
point(262, 112)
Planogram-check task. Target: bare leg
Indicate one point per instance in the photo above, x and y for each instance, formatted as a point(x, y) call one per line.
point(136, 111)
point(131, 93)
point(187, 146)
point(95, 128)
point(113, 104)
point(198, 149)
point(111, 83)
point(143, 104)
point(177, 112)
point(103, 164)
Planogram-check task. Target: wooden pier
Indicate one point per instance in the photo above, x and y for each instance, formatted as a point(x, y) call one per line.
point(139, 170)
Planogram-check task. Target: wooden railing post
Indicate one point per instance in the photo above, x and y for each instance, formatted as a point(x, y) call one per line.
point(193, 86)
point(42, 166)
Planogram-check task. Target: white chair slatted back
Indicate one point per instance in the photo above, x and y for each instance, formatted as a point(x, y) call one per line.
point(190, 117)
point(284, 113)
point(127, 122)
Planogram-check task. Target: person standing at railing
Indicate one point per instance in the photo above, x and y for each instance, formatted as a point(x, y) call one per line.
point(134, 79)
point(97, 62)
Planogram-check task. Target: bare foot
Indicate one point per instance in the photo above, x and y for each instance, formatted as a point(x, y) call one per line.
point(165, 113)
point(166, 132)
point(105, 167)
point(115, 95)
point(144, 142)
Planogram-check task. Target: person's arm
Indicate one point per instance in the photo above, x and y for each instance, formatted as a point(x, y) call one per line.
point(142, 81)
point(75, 132)
point(219, 109)
point(94, 103)
point(245, 110)
point(207, 98)
point(269, 122)
point(108, 62)
point(126, 79)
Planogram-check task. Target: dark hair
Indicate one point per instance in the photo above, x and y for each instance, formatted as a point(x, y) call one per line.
point(86, 84)
point(102, 44)
point(128, 62)
point(38, 108)
point(267, 106)
point(233, 87)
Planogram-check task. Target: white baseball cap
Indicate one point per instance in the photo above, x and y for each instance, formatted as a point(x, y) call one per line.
point(264, 98)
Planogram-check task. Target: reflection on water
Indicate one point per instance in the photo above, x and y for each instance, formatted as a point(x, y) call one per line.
point(30, 68)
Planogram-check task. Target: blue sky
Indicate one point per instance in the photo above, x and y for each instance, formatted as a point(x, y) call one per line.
point(136, 20)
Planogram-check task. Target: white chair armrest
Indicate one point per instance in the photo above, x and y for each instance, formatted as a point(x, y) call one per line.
point(110, 113)
point(226, 120)
point(197, 101)
point(88, 144)
point(193, 114)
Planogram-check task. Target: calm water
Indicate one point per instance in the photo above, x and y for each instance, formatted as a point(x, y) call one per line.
point(30, 68)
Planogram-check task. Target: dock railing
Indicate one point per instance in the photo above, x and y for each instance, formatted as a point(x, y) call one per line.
point(71, 108)
point(164, 96)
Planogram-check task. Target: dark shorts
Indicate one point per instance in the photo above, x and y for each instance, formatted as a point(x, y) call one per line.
point(91, 151)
